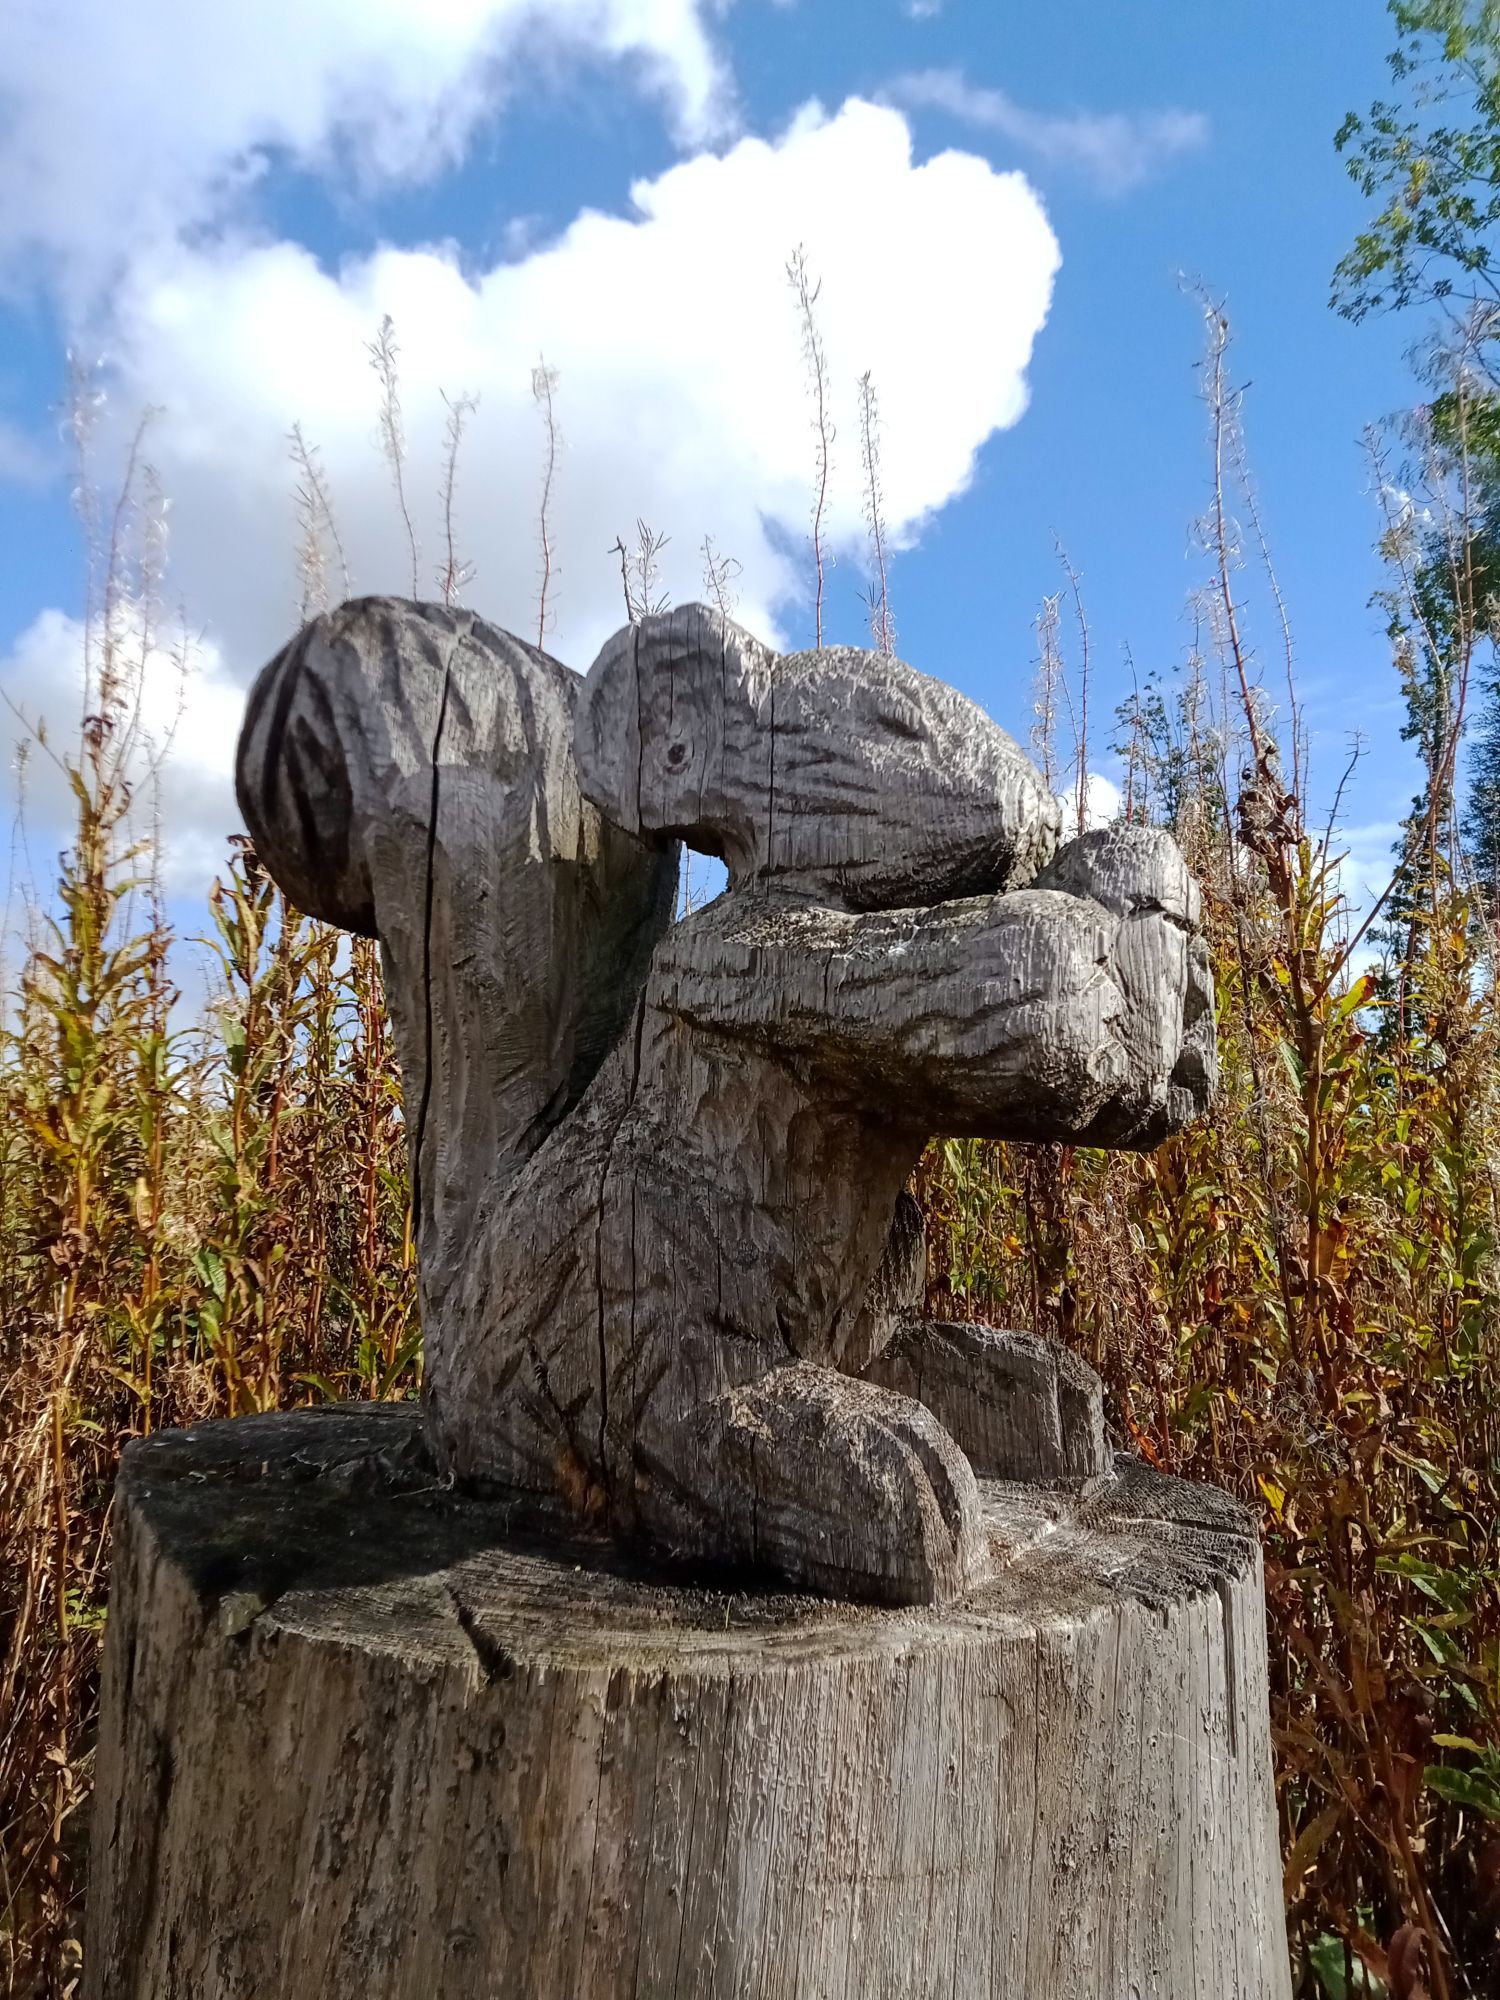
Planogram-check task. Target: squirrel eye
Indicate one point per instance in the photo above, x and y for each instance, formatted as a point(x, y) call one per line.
point(676, 755)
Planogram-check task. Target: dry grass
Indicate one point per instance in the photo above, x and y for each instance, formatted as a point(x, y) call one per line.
point(1294, 1299)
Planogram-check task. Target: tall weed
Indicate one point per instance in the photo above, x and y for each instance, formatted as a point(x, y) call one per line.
point(1294, 1299)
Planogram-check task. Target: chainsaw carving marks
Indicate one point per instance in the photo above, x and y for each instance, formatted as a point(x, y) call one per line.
point(670, 1282)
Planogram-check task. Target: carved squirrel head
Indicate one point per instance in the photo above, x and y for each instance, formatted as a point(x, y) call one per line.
point(839, 775)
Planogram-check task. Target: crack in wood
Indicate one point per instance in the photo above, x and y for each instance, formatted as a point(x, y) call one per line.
point(902, 950)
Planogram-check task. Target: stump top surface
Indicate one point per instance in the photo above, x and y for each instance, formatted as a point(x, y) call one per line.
point(328, 1523)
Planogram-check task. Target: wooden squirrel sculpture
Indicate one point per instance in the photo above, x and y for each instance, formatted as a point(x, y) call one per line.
point(669, 1278)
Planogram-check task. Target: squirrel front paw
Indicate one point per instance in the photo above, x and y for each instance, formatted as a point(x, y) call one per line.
point(1160, 962)
point(847, 1488)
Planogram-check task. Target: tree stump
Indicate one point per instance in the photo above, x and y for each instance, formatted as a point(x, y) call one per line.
point(362, 1737)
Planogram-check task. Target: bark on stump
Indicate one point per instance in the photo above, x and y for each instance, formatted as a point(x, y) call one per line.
point(361, 1737)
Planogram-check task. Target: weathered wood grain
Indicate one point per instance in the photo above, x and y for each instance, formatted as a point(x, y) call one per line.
point(657, 1169)
point(407, 772)
point(500, 1701)
point(362, 1742)
point(842, 774)
point(1021, 1407)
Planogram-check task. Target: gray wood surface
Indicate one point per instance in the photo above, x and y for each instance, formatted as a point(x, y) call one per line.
point(362, 1742)
point(657, 1166)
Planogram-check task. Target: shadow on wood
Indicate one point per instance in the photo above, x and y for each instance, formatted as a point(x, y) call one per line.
point(657, 1168)
point(361, 1736)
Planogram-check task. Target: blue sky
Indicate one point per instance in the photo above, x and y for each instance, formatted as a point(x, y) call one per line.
point(258, 185)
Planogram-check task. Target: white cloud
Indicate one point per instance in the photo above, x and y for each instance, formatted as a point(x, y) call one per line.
point(1364, 861)
point(176, 695)
point(121, 125)
point(681, 396)
point(1116, 150)
point(1103, 802)
point(681, 392)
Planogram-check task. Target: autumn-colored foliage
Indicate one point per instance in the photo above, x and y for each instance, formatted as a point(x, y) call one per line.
point(198, 1216)
point(203, 1211)
point(1296, 1297)
point(1293, 1300)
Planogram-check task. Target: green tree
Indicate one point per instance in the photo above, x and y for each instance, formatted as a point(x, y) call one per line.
point(1432, 163)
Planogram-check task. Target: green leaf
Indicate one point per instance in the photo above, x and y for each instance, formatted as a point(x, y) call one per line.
point(1326, 1955)
point(210, 1268)
point(1478, 1790)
